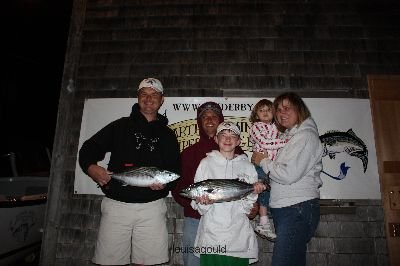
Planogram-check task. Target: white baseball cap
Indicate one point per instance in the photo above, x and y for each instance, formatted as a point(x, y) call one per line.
point(229, 126)
point(151, 83)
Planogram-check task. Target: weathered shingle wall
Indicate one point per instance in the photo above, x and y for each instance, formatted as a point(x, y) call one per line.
point(246, 45)
point(219, 48)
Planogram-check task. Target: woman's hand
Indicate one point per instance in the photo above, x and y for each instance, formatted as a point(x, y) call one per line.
point(257, 157)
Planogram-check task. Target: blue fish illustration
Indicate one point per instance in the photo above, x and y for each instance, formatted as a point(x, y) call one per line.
point(337, 141)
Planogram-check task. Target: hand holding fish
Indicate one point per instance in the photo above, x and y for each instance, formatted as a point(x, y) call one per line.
point(157, 186)
point(254, 211)
point(259, 187)
point(99, 175)
point(204, 199)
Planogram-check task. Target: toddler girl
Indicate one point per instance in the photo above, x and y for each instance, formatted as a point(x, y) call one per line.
point(264, 136)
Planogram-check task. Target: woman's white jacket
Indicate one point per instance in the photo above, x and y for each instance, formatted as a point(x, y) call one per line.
point(224, 226)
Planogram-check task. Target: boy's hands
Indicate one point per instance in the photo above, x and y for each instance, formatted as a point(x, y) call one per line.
point(254, 211)
point(157, 186)
point(204, 200)
point(259, 187)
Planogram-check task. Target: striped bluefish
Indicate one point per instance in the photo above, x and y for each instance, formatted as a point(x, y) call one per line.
point(219, 190)
point(145, 176)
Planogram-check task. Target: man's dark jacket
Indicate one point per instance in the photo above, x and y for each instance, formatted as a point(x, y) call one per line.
point(133, 142)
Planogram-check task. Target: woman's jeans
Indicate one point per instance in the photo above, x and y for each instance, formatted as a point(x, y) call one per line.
point(294, 226)
point(190, 226)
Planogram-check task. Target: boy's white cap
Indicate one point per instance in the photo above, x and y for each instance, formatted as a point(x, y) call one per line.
point(151, 83)
point(229, 126)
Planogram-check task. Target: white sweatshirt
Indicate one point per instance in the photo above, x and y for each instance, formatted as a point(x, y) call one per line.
point(295, 173)
point(225, 224)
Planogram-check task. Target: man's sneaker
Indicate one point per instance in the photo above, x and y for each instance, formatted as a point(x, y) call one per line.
point(265, 231)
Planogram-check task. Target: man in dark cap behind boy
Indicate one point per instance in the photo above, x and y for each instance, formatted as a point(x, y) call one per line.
point(209, 116)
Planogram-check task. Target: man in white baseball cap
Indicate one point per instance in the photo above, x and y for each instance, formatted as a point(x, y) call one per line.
point(133, 227)
point(151, 83)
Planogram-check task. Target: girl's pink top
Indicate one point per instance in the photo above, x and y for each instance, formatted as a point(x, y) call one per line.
point(265, 139)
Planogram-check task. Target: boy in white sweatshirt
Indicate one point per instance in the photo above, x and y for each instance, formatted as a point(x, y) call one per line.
point(225, 236)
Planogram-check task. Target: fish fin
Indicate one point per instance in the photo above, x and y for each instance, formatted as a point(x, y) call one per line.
point(209, 190)
point(153, 168)
point(129, 169)
point(351, 132)
point(323, 136)
point(361, 142)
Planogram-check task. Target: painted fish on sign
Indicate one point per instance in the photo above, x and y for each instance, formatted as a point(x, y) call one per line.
point(335, 142)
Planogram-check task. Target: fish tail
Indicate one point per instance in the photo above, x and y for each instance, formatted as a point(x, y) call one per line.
point(363, 156)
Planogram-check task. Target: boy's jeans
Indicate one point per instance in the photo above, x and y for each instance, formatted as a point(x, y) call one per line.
point(294, 227)
point(190, 226)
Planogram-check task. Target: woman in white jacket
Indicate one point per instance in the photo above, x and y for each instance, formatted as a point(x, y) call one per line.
point(295, 180)
point(225, 236)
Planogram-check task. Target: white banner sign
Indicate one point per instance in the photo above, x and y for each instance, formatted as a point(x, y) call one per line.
point(345, 127)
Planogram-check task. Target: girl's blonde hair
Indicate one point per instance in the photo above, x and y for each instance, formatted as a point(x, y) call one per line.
point(264, 102)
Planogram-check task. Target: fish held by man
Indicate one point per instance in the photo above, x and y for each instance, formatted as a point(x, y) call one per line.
point(219, 190)
point(337, 141)
point(145, 176)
